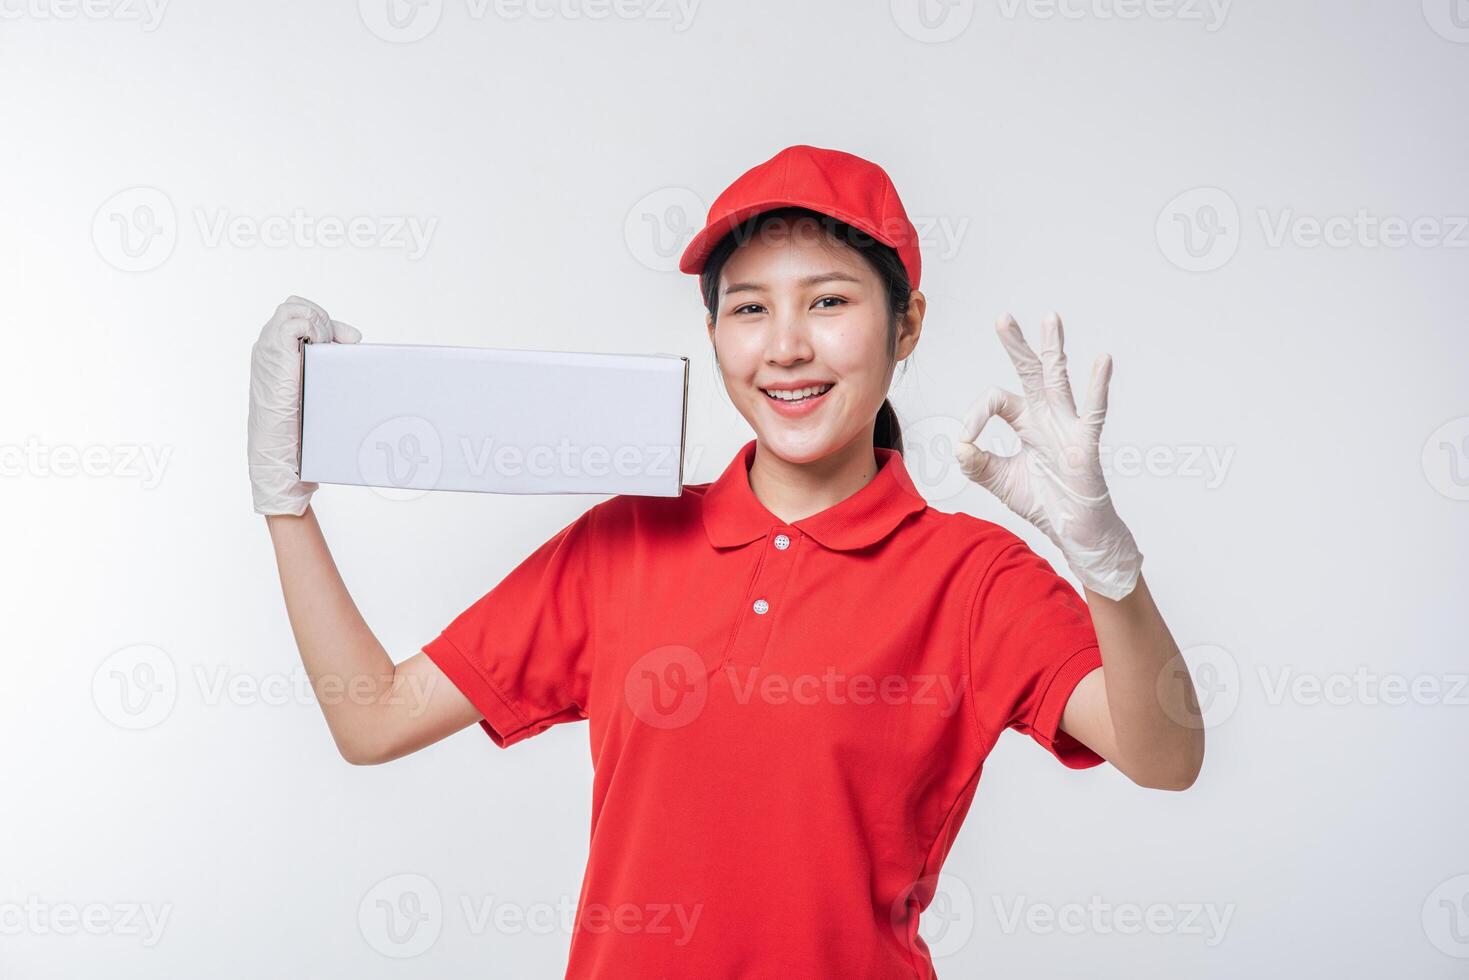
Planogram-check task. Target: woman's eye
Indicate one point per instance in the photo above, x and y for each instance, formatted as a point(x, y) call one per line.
point(834, 299)
point(748, 307)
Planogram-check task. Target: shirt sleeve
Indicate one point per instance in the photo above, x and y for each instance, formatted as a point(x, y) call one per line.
point(522, 652)
point(1031, 642)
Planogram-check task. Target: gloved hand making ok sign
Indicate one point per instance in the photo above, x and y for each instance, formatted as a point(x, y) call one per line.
point(1055, 481)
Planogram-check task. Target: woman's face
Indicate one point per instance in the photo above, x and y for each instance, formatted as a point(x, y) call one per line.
point(799, 310)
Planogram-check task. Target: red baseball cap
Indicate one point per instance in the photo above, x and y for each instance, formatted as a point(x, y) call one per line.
point(837, 184)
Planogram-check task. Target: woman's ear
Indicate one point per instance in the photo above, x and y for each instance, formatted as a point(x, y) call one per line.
point(709, 324)
point(911, 324)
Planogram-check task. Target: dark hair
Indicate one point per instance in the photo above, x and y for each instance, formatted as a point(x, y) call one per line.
point(886, 434)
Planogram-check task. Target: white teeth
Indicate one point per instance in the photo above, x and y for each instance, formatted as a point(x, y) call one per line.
point(796, 394)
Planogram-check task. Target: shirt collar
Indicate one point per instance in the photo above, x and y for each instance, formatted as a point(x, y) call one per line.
point(733, 515)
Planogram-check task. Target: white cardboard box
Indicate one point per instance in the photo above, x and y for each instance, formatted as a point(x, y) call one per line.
point(497, 421)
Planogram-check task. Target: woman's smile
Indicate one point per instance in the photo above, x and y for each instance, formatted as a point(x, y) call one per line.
point(797, 399)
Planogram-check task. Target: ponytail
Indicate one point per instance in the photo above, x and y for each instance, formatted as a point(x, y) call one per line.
point(887, 434)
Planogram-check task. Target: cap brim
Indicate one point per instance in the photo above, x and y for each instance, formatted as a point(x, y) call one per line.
point(698, 250)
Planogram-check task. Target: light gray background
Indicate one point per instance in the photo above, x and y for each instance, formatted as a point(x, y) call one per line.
point(1066, 155)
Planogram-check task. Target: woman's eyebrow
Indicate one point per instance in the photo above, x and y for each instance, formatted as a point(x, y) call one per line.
point(814, 280)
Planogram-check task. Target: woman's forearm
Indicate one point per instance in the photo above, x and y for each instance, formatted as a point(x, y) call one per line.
point(349, 669)
point(1158, 737)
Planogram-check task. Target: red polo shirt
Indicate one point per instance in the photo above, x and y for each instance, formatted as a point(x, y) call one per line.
point(787, 720)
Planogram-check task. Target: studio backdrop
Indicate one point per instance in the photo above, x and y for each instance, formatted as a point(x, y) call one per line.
point(1258, 209)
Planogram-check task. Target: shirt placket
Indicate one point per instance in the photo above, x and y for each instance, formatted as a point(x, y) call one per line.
point(766, 597)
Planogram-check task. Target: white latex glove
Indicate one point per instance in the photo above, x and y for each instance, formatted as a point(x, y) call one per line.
point(275, 402)
point(1055, 481)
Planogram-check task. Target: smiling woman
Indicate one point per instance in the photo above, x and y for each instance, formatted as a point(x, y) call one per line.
point(855, 284)
point(773, 663)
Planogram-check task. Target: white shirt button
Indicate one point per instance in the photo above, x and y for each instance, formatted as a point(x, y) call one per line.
point(761, 607)
point(782, 542)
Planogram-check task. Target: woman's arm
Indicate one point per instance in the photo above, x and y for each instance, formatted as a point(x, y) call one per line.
point(1139, 710)
point(376, 711)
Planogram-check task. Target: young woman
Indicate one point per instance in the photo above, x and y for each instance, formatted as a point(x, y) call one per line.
point(793, 674)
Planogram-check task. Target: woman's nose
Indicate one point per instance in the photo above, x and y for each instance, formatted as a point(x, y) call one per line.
point(789, 340)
